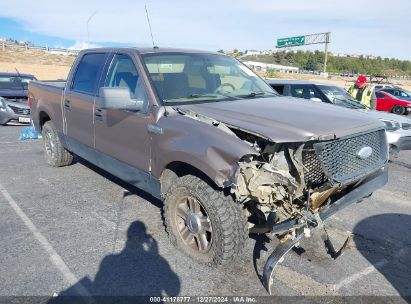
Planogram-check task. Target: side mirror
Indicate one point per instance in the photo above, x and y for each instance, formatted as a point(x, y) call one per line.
point(118, 98)
point(316, 99)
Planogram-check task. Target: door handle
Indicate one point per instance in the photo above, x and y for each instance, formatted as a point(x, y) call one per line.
point(67, 104)
point(98, 114)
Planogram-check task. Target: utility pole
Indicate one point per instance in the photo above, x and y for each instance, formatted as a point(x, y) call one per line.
point(327, 41)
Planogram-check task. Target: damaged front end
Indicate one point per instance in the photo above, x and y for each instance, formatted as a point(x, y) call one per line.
point(289, 189)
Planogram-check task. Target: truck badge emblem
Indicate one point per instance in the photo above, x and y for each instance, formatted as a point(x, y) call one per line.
point(364, 152)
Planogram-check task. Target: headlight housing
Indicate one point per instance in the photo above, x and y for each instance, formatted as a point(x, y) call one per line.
point(391, 125)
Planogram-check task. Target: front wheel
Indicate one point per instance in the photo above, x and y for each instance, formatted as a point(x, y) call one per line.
point(398, 109)
point(203, 223)
point(56, 155)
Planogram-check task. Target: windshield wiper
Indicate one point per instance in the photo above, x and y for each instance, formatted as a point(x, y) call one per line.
point(255, 94)
point(203, 95)
point(215, 97)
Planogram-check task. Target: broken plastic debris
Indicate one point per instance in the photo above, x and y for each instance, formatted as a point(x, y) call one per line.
point(29, 133)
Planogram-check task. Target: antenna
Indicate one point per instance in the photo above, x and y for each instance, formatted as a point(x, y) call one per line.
point(149, 25)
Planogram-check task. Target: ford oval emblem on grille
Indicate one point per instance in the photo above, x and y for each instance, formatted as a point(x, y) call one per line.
point(364, 152)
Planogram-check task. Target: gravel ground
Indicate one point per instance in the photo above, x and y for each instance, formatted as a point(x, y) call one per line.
point(79, 229)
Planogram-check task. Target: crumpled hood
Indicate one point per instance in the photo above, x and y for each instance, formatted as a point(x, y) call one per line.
point(285, 119)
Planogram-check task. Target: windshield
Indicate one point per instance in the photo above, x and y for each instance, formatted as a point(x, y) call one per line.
point(14, 82)
point(340, 97)
point(198, 78)
point(407, 93)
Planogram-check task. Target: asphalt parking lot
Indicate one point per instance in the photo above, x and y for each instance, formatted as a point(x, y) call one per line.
point(77, 229)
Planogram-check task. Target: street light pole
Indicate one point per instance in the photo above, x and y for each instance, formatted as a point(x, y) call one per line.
point(88, 32)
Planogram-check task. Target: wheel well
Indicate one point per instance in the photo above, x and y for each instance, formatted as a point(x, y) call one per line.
point(179, 169)
point(43, 118)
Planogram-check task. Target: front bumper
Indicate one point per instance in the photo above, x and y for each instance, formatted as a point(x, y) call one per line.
point(400, 139)
point(366, 187)
point(7, 116)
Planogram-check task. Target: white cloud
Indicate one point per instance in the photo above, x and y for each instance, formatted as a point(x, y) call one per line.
point(357, 26)
point(81, 45)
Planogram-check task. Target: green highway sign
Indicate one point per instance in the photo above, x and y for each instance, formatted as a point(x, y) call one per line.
point(291, 41)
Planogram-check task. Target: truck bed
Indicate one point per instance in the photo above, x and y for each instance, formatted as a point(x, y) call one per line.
point(47, 98)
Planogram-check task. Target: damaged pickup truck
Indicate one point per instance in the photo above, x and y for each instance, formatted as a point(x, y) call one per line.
point(226, 154)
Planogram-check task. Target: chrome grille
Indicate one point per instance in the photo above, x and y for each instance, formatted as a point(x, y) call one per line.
point(339, 161)
point(20, 111)
point(406, 126)
point(340, 158)
point(313, 173)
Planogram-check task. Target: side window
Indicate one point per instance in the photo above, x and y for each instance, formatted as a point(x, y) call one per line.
point(303, 91)
point(123, 73)
point(312, 93)
point(279, 88)
point(379, 95)
point(297, 91)
point(88, 73)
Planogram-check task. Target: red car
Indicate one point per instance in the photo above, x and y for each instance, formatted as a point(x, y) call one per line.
point(389, 103)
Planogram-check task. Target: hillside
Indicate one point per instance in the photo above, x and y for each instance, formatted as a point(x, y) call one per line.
point(41, 64)
point(314, 61)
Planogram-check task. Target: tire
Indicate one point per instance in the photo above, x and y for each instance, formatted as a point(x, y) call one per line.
point(56, 155)
point(399, 110)
point(221, 223)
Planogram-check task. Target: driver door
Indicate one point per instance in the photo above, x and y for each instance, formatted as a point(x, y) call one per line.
point(122, 141)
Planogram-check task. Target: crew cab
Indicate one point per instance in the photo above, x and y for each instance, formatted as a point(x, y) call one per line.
point(227, 155)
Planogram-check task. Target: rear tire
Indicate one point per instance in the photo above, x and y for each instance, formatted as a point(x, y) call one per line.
point(203, 223)
point(399, 110)
point(56, 155)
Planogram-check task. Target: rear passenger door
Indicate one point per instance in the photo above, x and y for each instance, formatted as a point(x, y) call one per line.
point(78, 103)
point(122, 141)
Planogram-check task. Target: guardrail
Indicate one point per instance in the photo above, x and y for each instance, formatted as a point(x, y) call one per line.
point(5, 45)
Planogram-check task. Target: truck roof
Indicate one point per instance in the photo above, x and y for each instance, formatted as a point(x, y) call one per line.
point(150, 50)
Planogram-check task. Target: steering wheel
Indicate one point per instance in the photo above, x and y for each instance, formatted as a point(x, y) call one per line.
point(221, 89)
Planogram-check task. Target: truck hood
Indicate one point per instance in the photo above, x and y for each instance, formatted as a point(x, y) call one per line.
point(18, 93)
point(21, 105)
point(285, 119)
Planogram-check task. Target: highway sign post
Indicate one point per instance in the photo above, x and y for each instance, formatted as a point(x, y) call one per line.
point(307, 40)
point(291, 41)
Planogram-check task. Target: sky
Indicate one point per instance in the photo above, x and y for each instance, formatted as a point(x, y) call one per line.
point(375, 27)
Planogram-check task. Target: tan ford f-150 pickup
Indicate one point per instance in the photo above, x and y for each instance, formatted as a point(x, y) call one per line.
point(226, 154)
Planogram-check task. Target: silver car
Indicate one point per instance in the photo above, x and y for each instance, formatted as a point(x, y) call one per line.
point(14, 111)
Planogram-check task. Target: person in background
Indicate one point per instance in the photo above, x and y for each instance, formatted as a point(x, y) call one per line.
point(363, 93)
